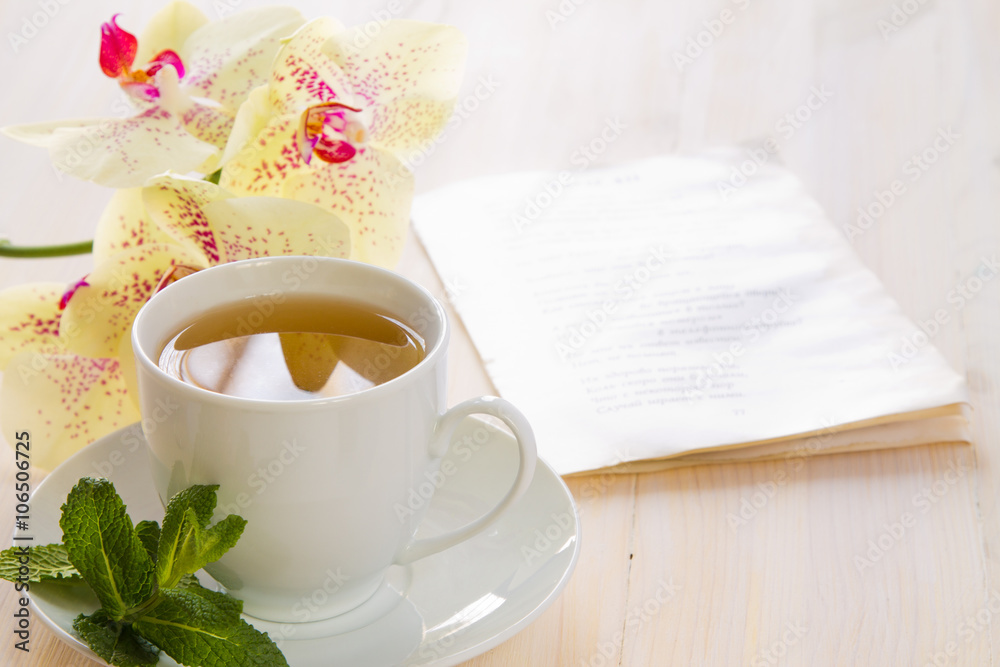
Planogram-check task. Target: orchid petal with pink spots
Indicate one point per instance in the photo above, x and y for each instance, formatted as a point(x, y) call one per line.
point(372, 193)
point(29, 319)
point(408, 74)
point(209, 124)
point(65, 401)
point(265, 161)
point(40, 134)
point(101, 312)
point(248, 227)
point(304, 75)
point(407, 126)
point(252, 117)
point(228, 58)
point(212, 223)
point(404, 59)
point(176, 205)
point(120, 152)
point(125, 224)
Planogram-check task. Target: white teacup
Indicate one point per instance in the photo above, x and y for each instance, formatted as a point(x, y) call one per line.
point(326, 484)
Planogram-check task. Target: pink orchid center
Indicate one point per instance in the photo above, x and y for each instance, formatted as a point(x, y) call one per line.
point(118, 49)
point(332, 132)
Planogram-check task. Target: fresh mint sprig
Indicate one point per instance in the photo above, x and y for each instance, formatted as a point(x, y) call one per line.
point(143, 576)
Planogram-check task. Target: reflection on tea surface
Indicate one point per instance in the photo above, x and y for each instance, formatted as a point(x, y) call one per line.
point(308, 347)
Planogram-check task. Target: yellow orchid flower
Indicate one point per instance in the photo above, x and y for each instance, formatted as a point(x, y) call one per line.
point(186, 76)
point(66, 353)
point(334, 120)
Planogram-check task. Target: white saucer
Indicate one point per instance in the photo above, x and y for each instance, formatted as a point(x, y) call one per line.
point(442, 610)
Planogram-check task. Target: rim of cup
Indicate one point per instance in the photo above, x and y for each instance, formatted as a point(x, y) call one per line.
point(191, 282)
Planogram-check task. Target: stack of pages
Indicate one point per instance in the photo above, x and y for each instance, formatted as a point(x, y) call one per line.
point(652, 315)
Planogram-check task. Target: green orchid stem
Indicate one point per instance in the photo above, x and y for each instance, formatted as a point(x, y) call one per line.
point(81, 248)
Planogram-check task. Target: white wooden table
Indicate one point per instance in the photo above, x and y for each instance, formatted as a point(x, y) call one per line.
point(883, 84)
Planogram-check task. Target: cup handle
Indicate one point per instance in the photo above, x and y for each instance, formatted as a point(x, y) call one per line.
point(447, 423)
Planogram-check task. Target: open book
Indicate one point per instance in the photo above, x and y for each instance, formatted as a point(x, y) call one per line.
point(653, 315)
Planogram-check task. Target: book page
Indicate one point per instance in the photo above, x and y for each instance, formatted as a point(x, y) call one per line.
point(639, 313)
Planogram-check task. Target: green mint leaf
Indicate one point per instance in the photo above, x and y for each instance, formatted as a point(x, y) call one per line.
point(199, 498)
point(115, 642)
point(187, 581)
point(149, 535)
point(225, 603)
point(103, 546)
point(186, 543)
point(195, 632)
point(203, 546)
point(45, 563)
